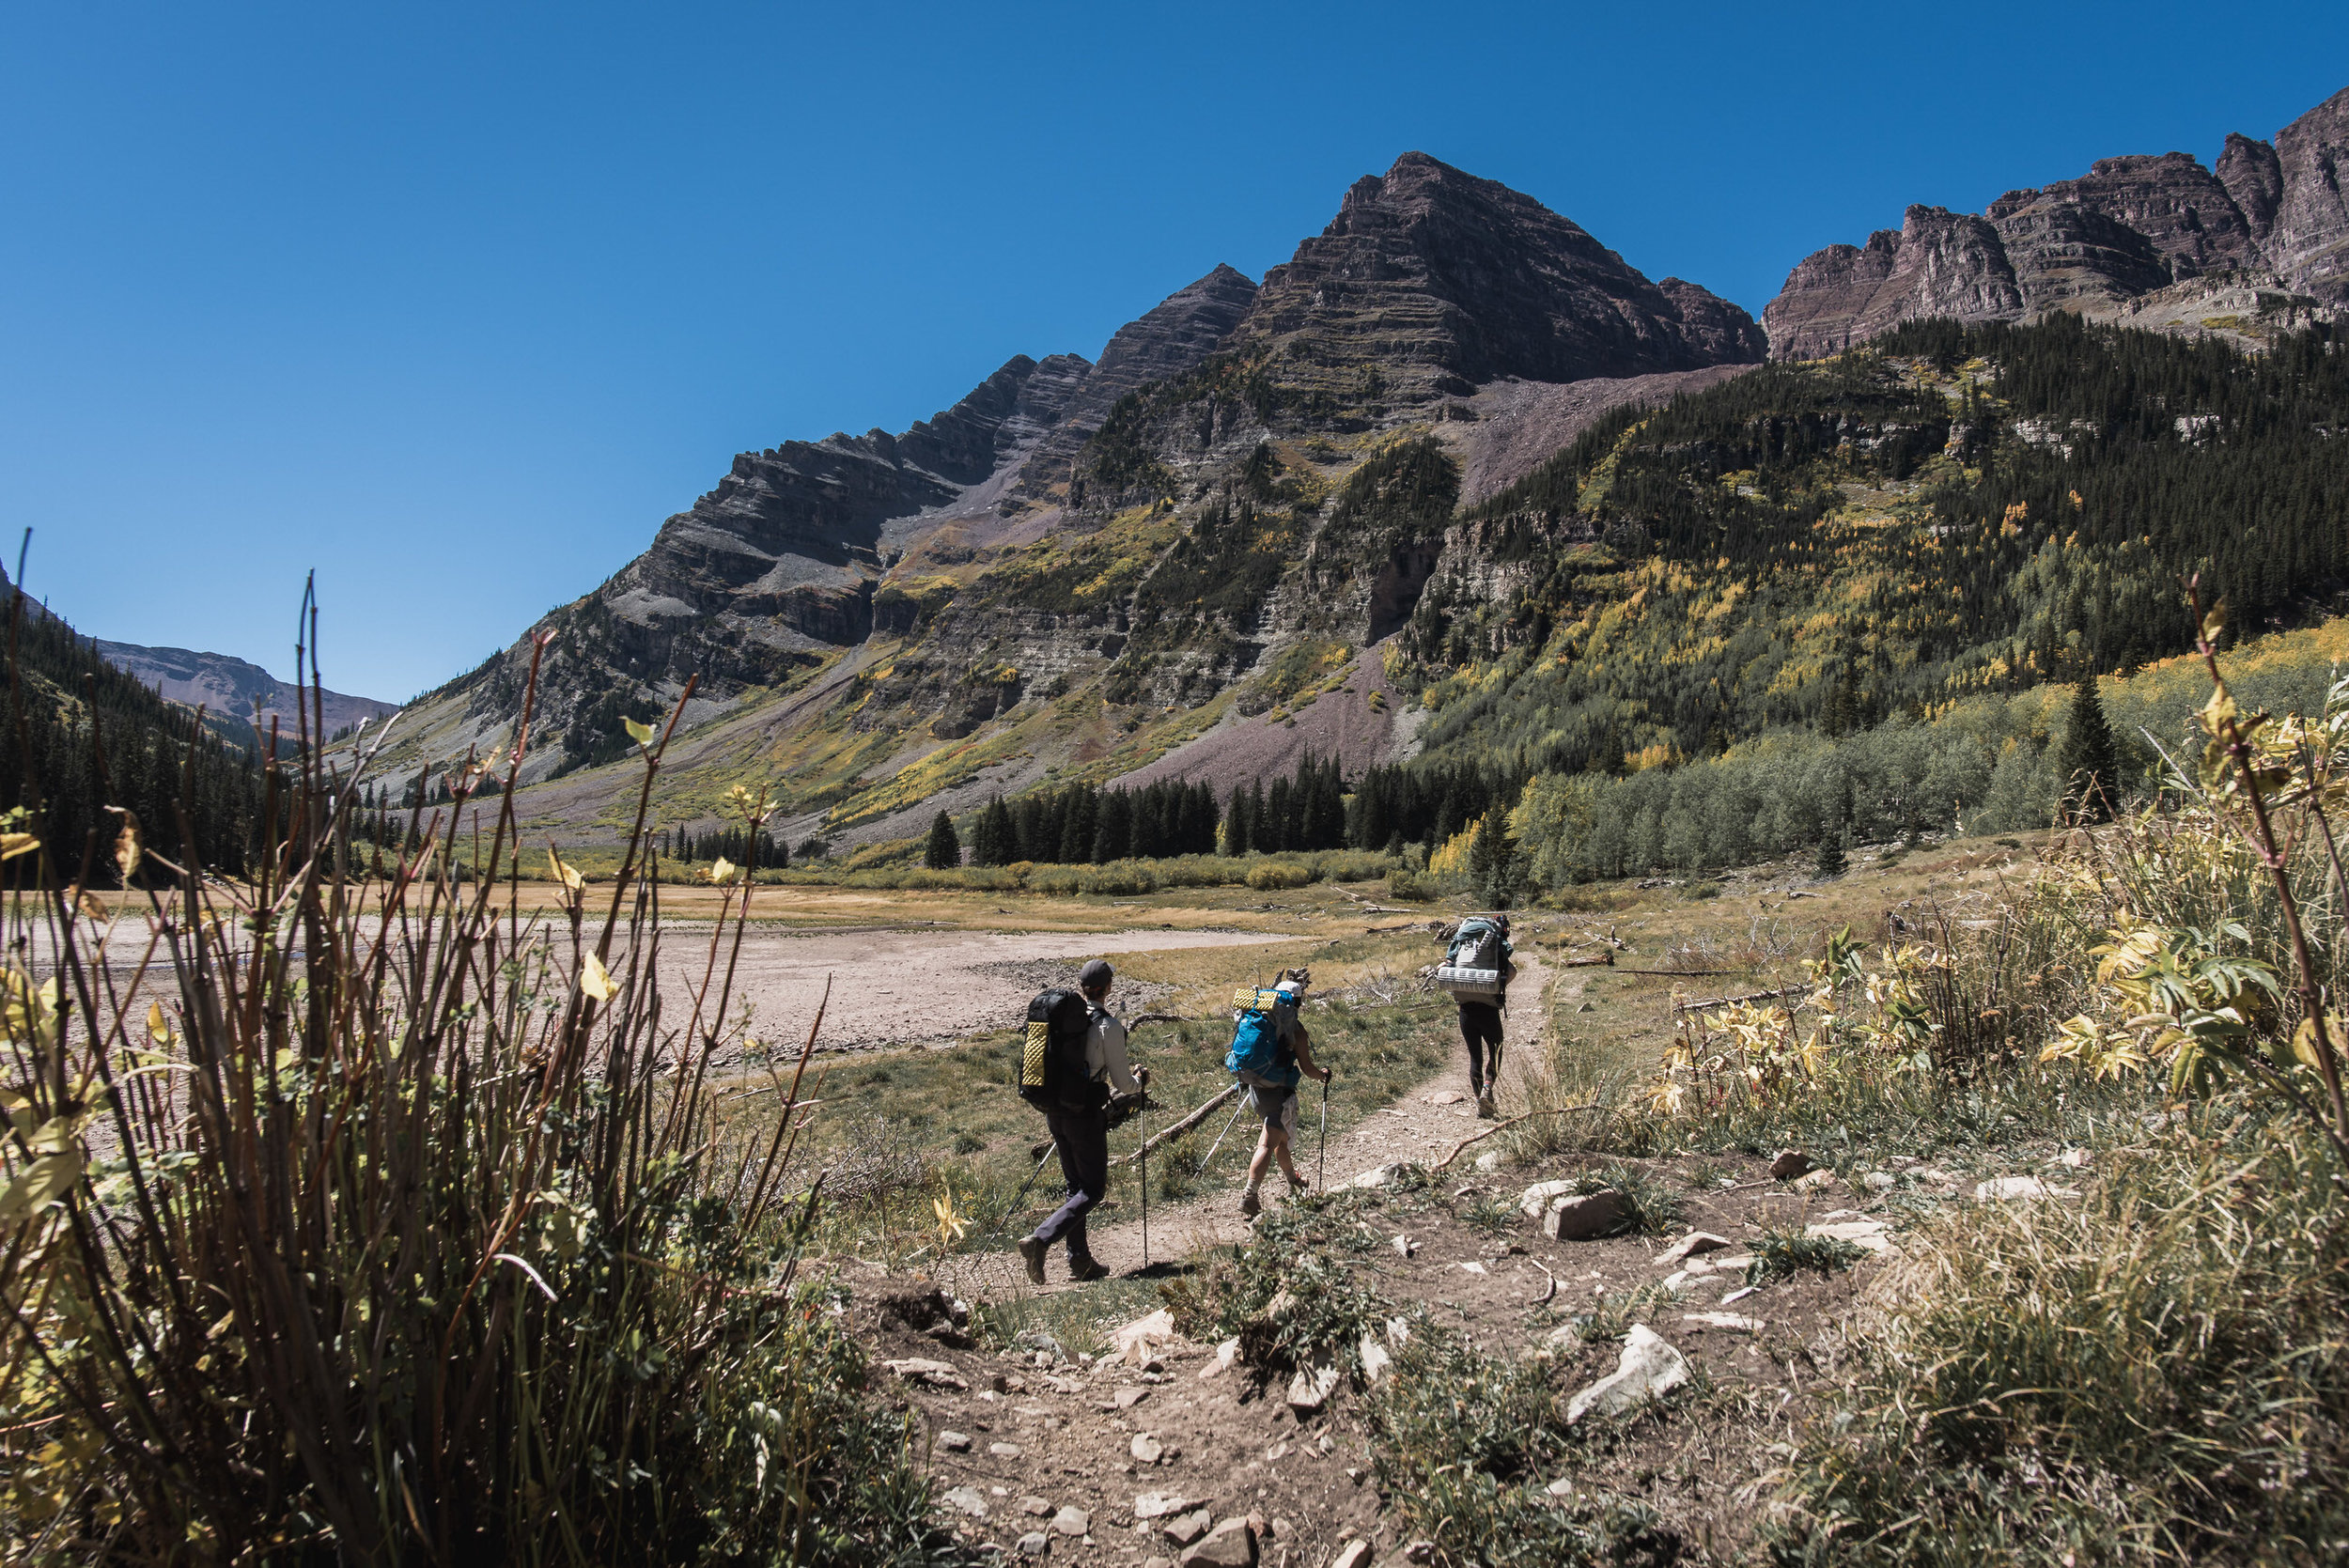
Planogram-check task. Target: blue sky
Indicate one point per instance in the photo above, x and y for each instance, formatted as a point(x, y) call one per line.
point(456, 303)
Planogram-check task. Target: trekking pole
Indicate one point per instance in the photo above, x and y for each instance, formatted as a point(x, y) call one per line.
point(1017, 1198)
point(1321, 1154)
point(1219, 1137)
point(1141, 1125)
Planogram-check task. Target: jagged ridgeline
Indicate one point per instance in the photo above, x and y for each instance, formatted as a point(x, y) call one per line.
point(89, 735)
point(1780, 581)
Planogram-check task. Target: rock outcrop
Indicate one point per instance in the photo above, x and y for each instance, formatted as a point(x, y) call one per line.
point(1178, 332)
point(2270, 219)
point(1438, 282)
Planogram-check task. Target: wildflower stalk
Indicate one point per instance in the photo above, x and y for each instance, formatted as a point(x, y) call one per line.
point(2230, 735)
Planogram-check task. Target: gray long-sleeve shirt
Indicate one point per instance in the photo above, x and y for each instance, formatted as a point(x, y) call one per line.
point(1105, 1053)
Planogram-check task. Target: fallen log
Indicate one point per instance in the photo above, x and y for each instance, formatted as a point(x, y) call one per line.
point(1182, 1126)
point(1732, 1002)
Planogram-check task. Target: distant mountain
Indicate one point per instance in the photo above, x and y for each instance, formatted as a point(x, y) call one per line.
point(1289, 515)
point(230, 688)
point(2256, 247)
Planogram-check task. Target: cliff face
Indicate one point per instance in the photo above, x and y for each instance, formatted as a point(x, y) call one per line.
point(1442, 282)
point(2125, 235)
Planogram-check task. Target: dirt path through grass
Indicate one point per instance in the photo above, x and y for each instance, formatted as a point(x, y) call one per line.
point(1423, 1125)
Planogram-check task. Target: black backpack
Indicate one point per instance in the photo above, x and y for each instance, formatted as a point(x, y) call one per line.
point(1053, 1072)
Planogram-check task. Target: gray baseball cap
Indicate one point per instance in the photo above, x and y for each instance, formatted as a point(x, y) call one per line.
point(1096, 973)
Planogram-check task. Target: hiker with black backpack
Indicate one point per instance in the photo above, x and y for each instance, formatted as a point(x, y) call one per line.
point(1270, 1055)
point(1075, 1057)
point(1476, 972)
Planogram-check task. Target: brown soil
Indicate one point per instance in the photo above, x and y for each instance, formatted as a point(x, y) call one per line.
point(1236, 1448)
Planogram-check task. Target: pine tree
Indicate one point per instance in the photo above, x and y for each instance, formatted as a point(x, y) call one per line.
point(2087, 763)
point(1834, 852)
point(944, 852)
point(1493, 863)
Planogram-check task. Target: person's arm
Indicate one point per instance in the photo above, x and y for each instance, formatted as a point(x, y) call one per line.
point(1303, 1044)
point(1109, 1036)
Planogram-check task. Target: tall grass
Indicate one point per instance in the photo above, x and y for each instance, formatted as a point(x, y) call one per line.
point(2158, 1375)
point(373, 1222)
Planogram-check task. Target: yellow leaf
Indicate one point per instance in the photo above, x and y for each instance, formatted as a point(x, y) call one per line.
point(46, 1181)
point(2304, 1039)
point(641, 734)
point(564, 874)
point(127, 850)
point(597, 981)
point(13, 845)
point(157, 1028)
point(722, 871)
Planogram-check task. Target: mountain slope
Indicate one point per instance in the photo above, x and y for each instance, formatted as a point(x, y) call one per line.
point(2256, 247)
point(1082, 565)
point(231, 689)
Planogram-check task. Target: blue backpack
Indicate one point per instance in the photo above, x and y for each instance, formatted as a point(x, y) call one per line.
point(1257, 1028)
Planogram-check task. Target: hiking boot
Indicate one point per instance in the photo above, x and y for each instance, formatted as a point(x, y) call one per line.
point(1249, 1205)
point(1032, 1254)
point(1083, 1271)
point(1485, 1111)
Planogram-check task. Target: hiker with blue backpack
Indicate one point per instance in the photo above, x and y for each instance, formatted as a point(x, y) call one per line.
point(1476, 972)
point(1270, 1055)
point(1074, 1058)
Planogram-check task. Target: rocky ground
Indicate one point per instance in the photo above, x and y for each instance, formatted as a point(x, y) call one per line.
point(1165, 1450)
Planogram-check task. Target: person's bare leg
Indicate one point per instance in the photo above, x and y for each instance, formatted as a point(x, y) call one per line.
point(1250, 1201)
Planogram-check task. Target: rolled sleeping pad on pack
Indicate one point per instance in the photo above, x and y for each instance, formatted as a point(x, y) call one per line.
point(1472, 983)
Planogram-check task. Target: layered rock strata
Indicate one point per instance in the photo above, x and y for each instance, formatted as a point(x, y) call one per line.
point(2270, 218)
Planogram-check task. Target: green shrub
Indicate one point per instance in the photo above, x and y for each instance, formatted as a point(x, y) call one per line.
point(2158, 1373)
point(1781, 1254)
point(1410, 887)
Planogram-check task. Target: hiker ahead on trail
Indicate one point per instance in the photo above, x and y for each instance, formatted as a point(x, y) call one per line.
point(1476, 970)
point(1270, 1054)
point(1075, 1057)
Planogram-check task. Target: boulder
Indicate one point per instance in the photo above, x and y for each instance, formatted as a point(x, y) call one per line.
point(1649, 1367)
point(1072, 1521)
point(1789, 1164)
point(1035, 1544)
point(1159, 1505)
point(1230, 1545)
point(1536, 1201)
point(1375, 1360)
point(1488, 1161)
point(2018, 1189)
point(1589, 1215)
point(1690, 1246)
point(1353, 1554)
point(1144, 1338)
point(1035, 1507)
point(1859, 1233)
point(954, 1442)
point(1184, 1529)
point(966, 1500)
point(1145, 1449)
point(933, 1375)
point(1310, 1389)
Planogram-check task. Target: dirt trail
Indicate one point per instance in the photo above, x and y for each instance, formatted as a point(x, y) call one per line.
point(1424, 1125)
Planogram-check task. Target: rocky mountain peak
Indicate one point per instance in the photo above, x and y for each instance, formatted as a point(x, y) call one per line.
point(1168, 339)
point(1444, 281)
point(2270, 218)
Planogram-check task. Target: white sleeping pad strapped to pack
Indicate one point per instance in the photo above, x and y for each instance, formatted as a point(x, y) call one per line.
point(1462, 981)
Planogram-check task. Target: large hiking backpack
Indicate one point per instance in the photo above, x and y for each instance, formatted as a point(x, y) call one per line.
point(1257, 1025)
point(1053, 1072)
point(1472, 966)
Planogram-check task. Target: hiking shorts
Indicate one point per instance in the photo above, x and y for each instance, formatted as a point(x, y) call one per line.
point(1278, 1107)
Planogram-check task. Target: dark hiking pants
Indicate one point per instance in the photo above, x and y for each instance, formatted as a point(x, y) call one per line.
point(1479, 1026)
point(1083, 1140)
